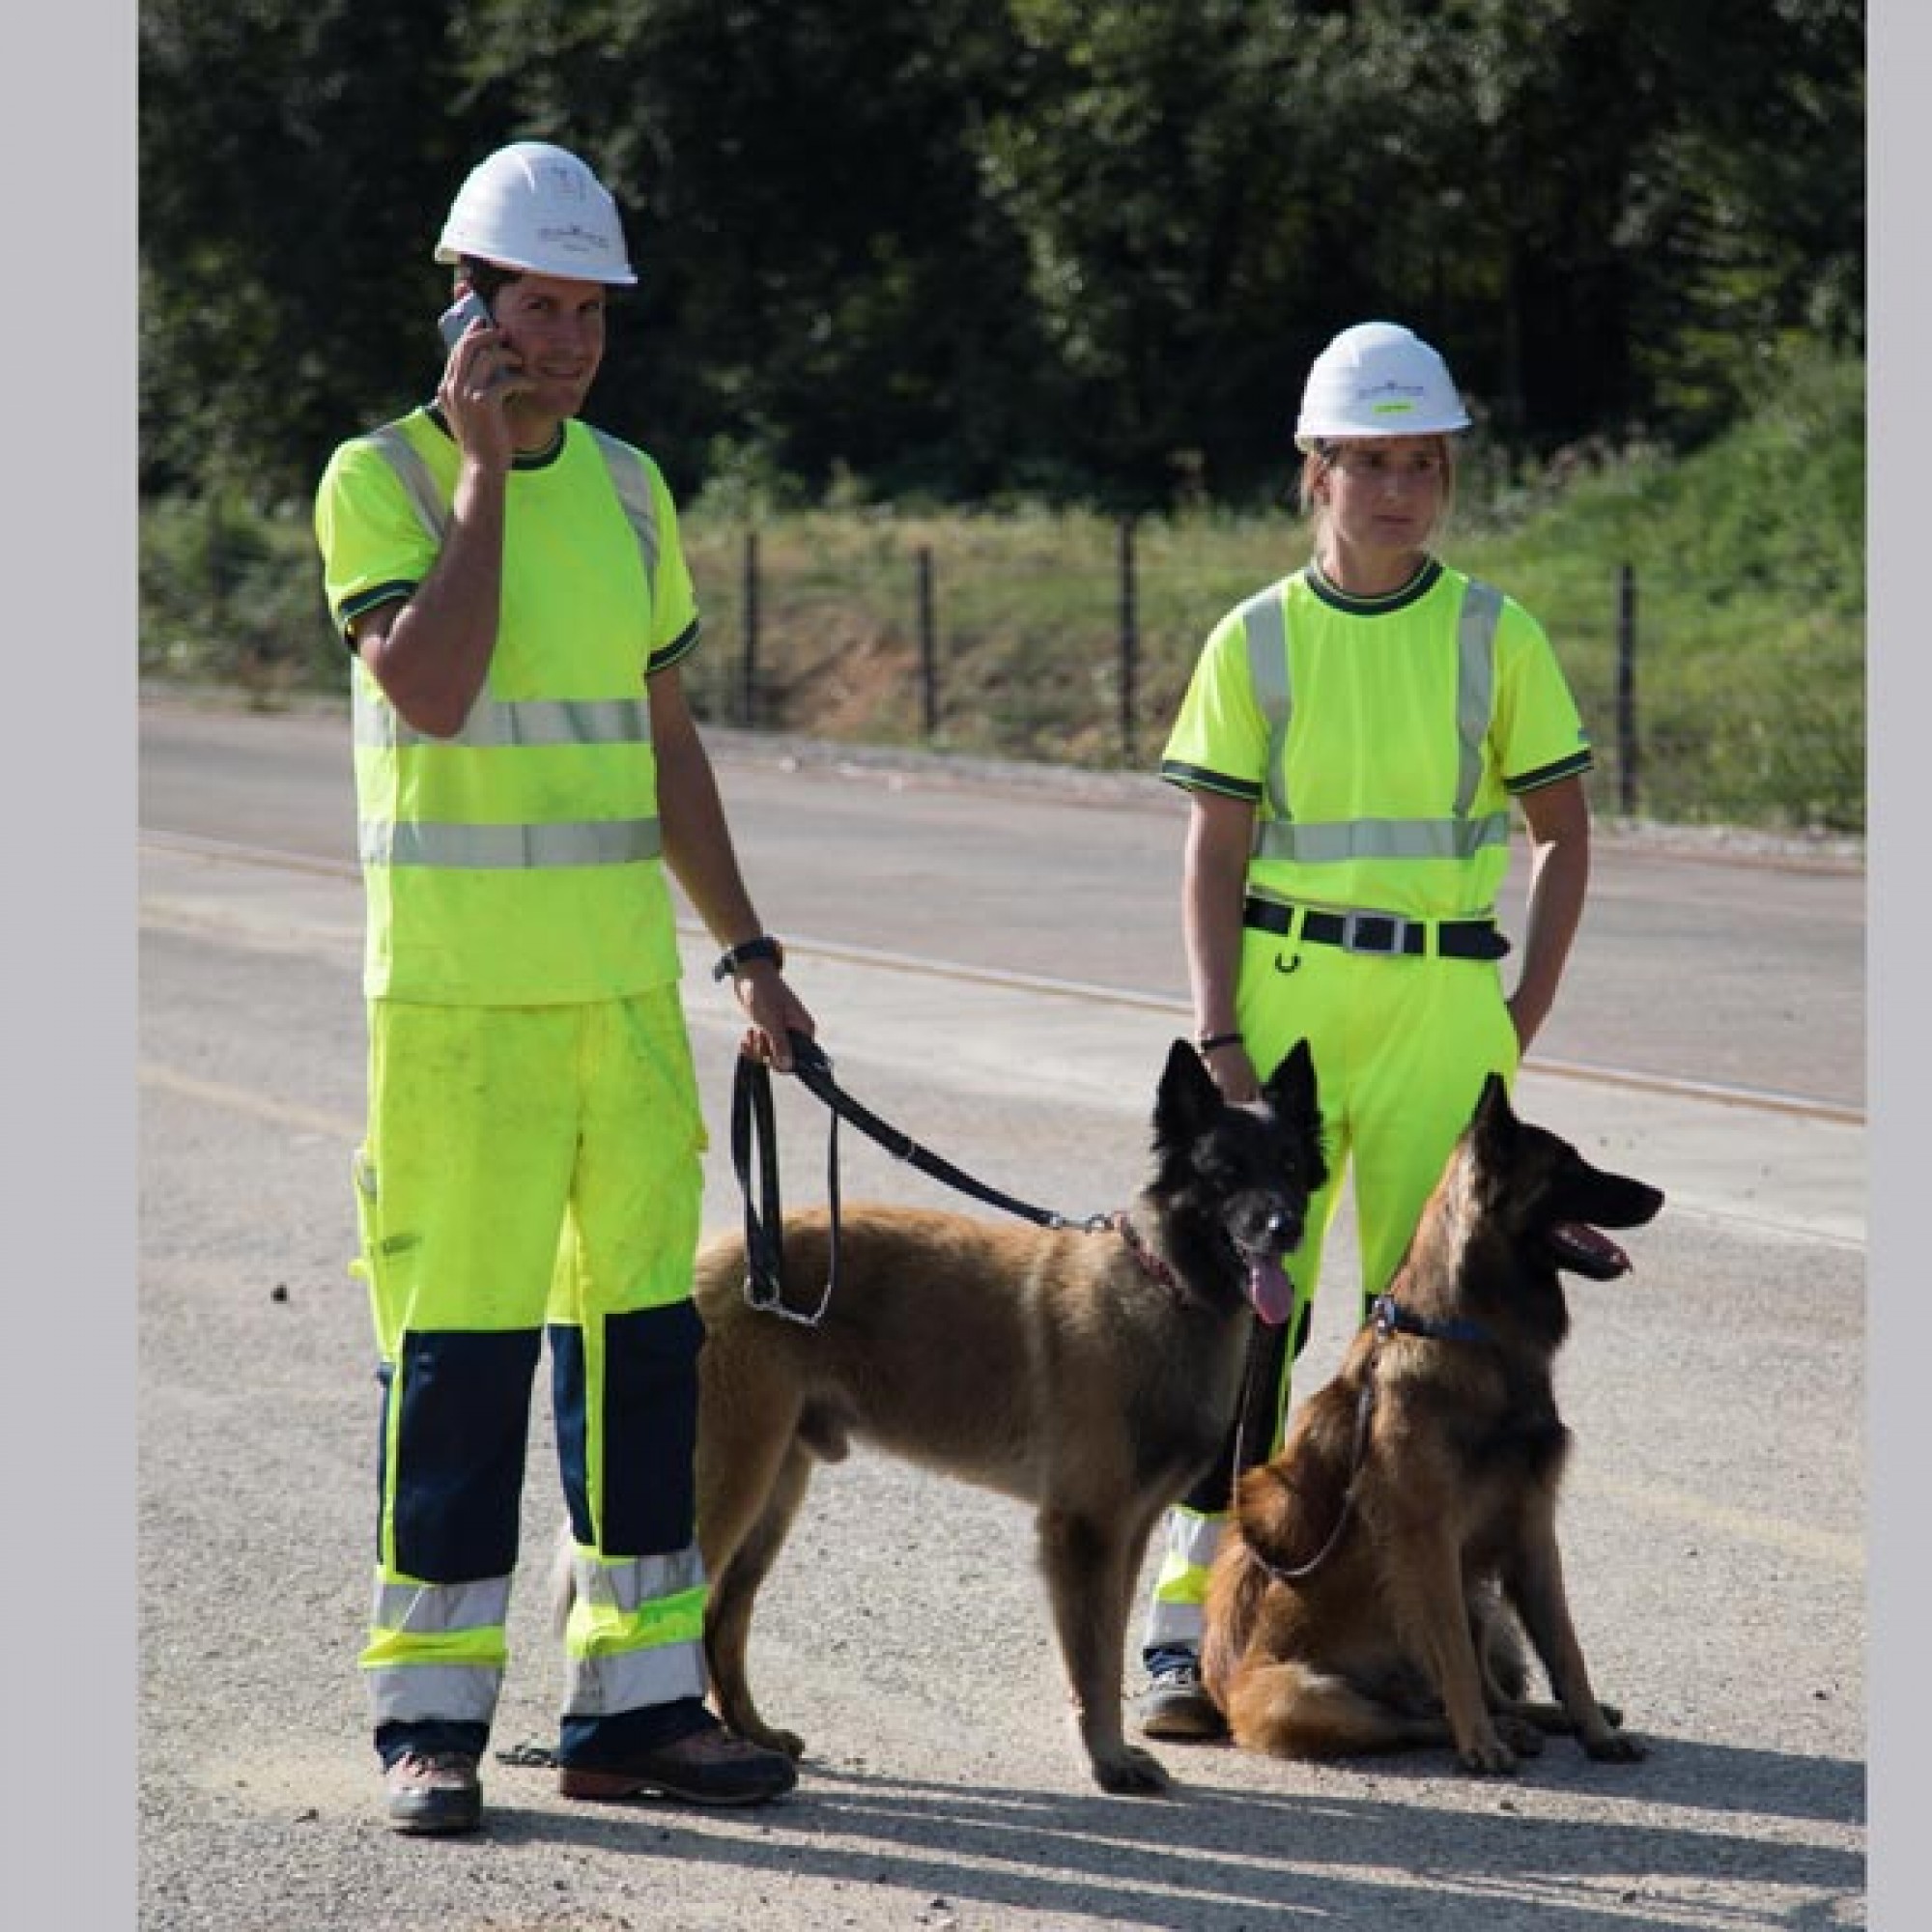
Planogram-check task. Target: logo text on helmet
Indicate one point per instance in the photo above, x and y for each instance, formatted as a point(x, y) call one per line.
point(572, 235)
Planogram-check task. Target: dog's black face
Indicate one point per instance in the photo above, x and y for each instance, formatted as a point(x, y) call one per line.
point(1538, 1186)
point(1231, 1183)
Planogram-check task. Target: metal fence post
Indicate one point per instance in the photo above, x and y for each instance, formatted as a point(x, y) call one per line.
point(928, 642)
point(1130, 641)
point(748, 687)
point(218, 563)
point(1627, 746)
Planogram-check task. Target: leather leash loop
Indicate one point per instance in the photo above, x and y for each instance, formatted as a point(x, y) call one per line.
point(754, 1157)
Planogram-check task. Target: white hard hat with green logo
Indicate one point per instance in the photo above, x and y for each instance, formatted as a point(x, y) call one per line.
point(1377, 379)
point(536, 207)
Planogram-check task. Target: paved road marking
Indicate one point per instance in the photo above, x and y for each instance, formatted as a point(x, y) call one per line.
point(243, 1100)
point(1843, 1551)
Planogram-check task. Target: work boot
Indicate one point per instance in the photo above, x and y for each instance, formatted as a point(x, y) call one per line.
point(1173, 1705)
point(433, 1791)
point(707, 1766)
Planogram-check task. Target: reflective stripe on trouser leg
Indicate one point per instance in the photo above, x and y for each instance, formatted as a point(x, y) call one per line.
point(635, 1634)
point(1174, 1613)
point(456, 1418)
point(436, 1650)
point(625, 1338)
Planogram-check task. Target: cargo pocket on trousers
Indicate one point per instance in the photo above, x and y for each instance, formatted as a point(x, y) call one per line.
point(368, 1235)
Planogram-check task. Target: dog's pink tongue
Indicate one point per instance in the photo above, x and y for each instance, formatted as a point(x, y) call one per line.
point(1270, 1290)
point(1594, 1244)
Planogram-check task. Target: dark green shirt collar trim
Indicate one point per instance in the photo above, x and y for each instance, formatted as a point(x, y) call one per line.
point(1418, 586)
point(535, 458)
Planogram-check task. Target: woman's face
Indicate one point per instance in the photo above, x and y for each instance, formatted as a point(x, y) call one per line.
point(1384, 495)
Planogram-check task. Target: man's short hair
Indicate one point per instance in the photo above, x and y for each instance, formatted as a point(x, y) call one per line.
point(486, 278)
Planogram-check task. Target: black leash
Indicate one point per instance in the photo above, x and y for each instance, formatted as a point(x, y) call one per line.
point(755, 1140)
point(1261, 1393)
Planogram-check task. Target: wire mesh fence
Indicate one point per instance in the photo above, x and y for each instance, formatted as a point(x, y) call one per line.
point(1074, 647)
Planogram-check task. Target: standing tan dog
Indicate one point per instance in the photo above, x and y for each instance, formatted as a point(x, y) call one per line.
point(1091, 1374)
point(1369, 1600)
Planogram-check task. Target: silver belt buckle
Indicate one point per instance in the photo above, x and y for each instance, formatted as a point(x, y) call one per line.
point(1356, 939)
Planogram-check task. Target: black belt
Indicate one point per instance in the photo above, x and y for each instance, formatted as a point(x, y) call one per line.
point(1388, 932)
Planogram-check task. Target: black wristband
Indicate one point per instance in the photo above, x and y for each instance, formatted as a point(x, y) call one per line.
point(764, 947)
point(1208, 1041)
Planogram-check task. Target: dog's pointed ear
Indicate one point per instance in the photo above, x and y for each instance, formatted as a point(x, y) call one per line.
point(1189, 1097)
point(1290, 1087)
point(1494, 1119)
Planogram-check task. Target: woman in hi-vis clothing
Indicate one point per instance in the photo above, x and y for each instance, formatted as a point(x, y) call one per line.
point(1350, 743)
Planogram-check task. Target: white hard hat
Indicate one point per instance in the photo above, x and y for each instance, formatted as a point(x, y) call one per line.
point(1377, 379)
point(537, 206)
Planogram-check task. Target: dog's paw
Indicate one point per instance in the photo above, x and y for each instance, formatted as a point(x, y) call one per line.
point(1131, 1772)
point(1486, 1757)
point(1520, 1734)
point(1616, 1747)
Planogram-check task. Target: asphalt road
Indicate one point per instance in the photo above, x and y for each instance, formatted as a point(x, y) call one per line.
point(993, 965)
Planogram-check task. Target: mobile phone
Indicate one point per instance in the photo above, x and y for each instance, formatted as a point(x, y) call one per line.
point(469, 307)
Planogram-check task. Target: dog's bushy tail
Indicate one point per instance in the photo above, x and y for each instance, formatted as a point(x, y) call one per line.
point(1235, 1592)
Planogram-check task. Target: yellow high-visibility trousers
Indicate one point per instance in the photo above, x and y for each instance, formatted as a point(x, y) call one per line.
point(525, 1165)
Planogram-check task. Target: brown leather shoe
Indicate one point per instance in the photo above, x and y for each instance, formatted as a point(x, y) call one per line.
point(433, 1791)
point(708, 1767)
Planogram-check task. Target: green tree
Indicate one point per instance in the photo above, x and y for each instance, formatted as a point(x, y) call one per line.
point(288, 153)
point(1075, 247)
point(823, 281)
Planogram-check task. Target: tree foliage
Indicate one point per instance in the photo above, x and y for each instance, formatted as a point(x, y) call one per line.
point(1078, 249)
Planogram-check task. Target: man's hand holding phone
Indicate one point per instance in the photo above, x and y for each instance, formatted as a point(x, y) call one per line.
point(453, 325)
point(481, 374)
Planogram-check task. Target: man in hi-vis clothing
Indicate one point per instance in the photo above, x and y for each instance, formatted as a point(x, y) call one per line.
point(512, 585)
point(1353, 742)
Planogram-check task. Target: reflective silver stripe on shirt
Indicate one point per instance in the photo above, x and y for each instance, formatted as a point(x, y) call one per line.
point(1265, 628)
point(632, 481)
point(628, 1585)
point(436, 1609)
point(494, 726)
point(1382, 839)
point(414, 1693)
point(596, 1686)
point(612, 841)
point(1475, 684)
point(1462, 836)
point(425, 495)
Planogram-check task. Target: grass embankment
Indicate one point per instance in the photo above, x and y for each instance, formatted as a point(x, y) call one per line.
point(1747, 562)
